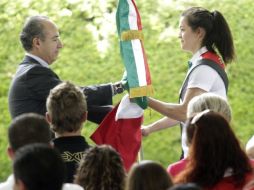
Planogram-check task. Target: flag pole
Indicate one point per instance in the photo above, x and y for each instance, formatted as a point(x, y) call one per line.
point(140, 153)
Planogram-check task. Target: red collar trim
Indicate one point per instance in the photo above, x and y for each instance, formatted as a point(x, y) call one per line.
point(214, 57)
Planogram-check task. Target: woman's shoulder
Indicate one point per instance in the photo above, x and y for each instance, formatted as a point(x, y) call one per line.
point(176, 167)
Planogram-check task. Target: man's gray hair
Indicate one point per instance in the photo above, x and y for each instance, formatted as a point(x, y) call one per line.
point(33, 28)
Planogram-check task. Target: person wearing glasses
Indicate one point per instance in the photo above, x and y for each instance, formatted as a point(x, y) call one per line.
point(216, 159)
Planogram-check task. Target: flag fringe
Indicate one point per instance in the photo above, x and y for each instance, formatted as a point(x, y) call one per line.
point(132, 35)
point(141, 91)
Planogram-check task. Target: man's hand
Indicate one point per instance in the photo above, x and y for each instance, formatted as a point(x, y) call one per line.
point(118, 87)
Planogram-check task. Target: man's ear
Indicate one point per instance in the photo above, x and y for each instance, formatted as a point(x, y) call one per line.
point(36, 42)
point(48, 118)
point(84, 117)
point(10, 152)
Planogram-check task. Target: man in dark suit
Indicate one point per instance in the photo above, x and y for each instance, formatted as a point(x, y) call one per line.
point(34, 79)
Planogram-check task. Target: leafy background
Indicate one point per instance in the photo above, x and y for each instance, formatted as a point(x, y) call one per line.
point(91, 55)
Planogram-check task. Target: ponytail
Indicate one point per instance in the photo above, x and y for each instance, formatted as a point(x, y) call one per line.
point(222, 37)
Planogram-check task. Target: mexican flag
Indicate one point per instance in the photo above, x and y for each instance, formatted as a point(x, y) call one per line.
point(137, 75)
point(121, 128)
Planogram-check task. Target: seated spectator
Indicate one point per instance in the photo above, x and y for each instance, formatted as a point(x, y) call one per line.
point(101, 168)
point(38, 167)
point(148, 175)
point(66, 112)
point(27, 129)
point(202, 102)
point(215, 160)
point(250, 148)
point(198, 104)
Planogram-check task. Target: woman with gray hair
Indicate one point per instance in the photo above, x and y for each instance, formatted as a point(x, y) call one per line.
point(198, 104)
point(202, 102)
point(209, 101)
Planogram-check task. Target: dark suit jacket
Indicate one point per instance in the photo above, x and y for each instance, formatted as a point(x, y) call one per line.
point(31, 85)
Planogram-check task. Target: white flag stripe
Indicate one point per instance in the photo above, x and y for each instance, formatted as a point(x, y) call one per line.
point(136, 46)
point(132, 17)
point(140, 63)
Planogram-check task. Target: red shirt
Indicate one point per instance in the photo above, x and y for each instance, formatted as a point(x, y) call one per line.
point(177, 167)
point(226, 183)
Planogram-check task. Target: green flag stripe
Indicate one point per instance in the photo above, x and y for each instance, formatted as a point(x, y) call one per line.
point(126, 46)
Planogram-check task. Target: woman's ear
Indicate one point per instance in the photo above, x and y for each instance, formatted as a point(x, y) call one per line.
point(201, 32)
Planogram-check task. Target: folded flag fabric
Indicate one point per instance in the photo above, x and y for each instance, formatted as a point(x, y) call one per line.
point(132, 51)
point(121, 129)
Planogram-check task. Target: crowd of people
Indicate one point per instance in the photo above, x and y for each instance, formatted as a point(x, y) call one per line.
point(49, 152)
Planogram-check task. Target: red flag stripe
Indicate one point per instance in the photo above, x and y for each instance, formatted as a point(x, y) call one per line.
point(138, 16)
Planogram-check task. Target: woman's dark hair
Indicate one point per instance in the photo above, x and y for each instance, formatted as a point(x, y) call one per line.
point(214, 149)
point(218, 33)
point(148, 175)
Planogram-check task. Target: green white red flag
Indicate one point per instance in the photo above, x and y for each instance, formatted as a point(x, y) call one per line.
point(132, 49)
point(121, 128)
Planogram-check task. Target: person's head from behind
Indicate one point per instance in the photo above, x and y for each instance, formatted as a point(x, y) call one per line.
point(101, 168)
point(148, 175)
point(66, 108)
point(200, 27)
point(209, 101)
point(214, 144)
point(26, 129)
point(38, 167)
point(40, 37)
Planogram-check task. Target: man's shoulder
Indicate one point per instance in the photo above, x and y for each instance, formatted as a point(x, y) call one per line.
point(30, 68)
